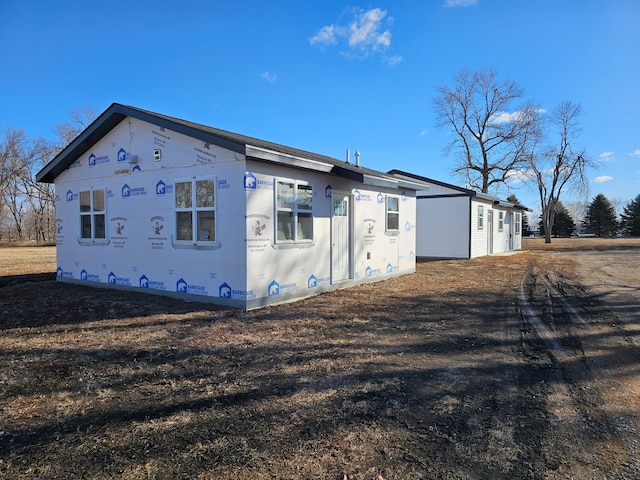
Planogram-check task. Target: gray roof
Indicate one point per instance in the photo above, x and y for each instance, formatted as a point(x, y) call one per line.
point(462, 191)
point(252, 148)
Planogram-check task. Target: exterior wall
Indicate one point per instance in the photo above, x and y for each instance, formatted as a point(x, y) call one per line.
point(480, 236)
point(442, 227)
point(280, 272)
point(140, 250)
point(244, 267)
point(504, 240)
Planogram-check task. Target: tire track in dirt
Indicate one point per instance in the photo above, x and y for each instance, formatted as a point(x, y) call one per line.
point(585, 422)
point(535, 321)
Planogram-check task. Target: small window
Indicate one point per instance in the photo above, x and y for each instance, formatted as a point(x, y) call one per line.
point(393, 214)
point(500, 221)
point(93, 222)
point(517, 227)
point(294, 211)
point(480, 217)
point(195, 211)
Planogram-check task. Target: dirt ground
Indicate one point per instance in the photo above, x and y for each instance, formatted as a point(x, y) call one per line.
point(502, 367)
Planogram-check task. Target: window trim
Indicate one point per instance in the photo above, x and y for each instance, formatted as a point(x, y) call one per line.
point(387, 211)
point(294, 211)
point(194, 209)
point(501, 220)
point(92, 214)
point(517, 222)
point(480, 217)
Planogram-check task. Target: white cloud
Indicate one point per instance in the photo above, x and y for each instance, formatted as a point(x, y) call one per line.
point(326, 36)
point(604, 178)
point(424, 131)
point(507, 117)
point(364, 34)
point(269, 77)
point(636, 153)
point(393, 60)
point(607, 156)
point(519, 176)
point(459, 3)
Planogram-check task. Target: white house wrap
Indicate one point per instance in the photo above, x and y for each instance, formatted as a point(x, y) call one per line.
point(156, 204)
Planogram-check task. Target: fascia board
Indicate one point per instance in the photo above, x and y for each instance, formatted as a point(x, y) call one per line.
point(285, 159)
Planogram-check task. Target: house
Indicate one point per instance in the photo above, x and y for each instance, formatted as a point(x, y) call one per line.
point(455, 222)
point(156, 204)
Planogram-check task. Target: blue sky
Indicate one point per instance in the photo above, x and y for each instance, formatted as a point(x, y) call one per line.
point(324, 75)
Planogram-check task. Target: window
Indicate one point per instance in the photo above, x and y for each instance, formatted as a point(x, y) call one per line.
point(517, 223)
point(294, 211)
point(393, 214)
point(93, 224)
point(500, 221)
point(480, 217)
point(195, 211)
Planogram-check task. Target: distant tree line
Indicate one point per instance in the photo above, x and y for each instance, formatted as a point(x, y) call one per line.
point(600, 220)
point(27, 208)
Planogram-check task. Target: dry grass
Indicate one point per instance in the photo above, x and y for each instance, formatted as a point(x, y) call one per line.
point(425, 376)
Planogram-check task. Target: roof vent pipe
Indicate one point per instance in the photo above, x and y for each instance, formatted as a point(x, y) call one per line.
point(357, 155)
point(348, 155)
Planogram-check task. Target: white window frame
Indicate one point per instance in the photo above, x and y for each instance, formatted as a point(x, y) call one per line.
point(501, 220)
point(480, 217)
point(92, 214)
point(517, 220)
point(195, 209)
point(296, 207)
point(388, 210)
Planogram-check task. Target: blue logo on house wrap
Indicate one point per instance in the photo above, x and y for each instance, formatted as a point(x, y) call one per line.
point(250, 182)
point(71, 196)
point(144, 282)
point(161, 188)
point(122, 155)
point(93, 160)
point(372, 272)
point(312, 282)
point(60, 273)
point(84, 275)
point(380, 198)
point(183, 287)
point(115, 280)
point(328, 191)
point(224, 291)
point(128, 191)
point(274, 289)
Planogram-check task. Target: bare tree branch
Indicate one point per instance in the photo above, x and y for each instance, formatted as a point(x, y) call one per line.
point(490, 140)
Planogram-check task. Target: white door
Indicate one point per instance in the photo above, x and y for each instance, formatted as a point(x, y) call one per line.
point(510, 216)
point(490, 232)
point(340, 237)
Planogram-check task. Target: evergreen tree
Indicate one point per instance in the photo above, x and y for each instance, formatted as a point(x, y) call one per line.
point(630, 218)
point(525, 220)
point(563, 224)
point(601, 218)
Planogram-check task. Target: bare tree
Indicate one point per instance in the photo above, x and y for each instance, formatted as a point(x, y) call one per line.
point(561, 164)
point(491, 140)
point(16, 154)
point(70, 129)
